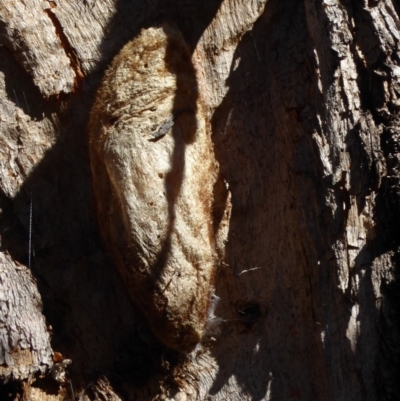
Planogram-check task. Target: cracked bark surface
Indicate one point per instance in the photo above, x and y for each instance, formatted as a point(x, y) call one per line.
point(302, 99)
point(25, 341)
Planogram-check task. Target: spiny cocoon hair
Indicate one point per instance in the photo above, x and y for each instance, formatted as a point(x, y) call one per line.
point(154, 171)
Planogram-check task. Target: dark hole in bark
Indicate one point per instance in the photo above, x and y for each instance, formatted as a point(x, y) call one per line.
point(47, 384)
point(250, 313)
point(10, 390)
point(112, 121)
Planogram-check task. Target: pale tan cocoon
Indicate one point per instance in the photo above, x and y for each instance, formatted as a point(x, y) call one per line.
point(154, 172)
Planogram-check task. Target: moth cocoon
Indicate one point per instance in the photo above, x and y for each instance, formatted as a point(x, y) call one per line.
point(153, 173)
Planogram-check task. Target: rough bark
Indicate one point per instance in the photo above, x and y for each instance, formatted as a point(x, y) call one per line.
point(25, 341)
point(302, 103)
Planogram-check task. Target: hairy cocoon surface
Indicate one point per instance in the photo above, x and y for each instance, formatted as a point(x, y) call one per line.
point(154, 171)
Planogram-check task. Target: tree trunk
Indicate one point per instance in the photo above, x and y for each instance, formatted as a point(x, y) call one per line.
point(273, 270)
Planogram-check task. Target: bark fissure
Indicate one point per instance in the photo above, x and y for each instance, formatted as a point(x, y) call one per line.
point(69, 50)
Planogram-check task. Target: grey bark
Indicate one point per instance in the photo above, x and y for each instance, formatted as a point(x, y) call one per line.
point(25, 341)
point(302, 101)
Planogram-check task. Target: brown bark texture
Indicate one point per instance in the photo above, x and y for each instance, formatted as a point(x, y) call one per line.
point(25, 340)
point(199, 200)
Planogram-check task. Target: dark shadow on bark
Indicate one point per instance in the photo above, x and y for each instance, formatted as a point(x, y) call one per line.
point(377, 362)
point(333, 311)
point(387, 240)
point(21, 90)
point(379, 317)
point(185, 102)
point(259, 132)
point(297, 94)
point(10, 391)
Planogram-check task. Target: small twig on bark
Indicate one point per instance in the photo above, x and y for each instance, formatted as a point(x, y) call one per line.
point(27, 107)
point(255, 46)
point(30, 234)
point(72, 390)
point(16, 99)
